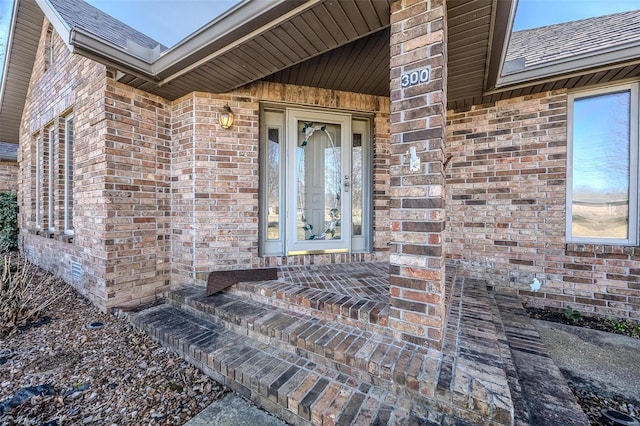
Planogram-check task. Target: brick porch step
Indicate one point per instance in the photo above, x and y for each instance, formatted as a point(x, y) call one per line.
point(540, 392)
point(367, 312)
point(492, 368)
point(288, 385)
point(371, 357)
point(473, 390)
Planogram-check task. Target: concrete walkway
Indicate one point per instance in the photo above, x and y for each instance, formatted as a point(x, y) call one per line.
point(232, 410)
point(608, 361)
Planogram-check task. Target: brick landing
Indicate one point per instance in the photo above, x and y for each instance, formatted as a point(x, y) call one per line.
point(320, 365)
point(353, 293)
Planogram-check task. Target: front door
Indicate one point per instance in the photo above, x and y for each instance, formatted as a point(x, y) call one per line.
point(318, 182)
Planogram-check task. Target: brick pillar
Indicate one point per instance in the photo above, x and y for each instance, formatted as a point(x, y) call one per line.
point(418, 108)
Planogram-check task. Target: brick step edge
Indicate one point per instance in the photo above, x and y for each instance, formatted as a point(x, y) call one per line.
point(546, 397)
point(407, 369)
point(367, 314)
point(293, 388)
point(375, 359)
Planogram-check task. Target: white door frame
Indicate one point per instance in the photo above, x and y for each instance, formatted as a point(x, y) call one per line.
point(294, 137)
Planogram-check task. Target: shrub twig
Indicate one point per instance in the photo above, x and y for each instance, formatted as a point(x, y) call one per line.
point(25, 294)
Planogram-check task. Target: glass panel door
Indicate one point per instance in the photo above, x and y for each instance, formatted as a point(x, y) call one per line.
point(361, 182)
point(319, 182)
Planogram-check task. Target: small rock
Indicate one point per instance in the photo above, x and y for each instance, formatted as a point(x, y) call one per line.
point(24, 395)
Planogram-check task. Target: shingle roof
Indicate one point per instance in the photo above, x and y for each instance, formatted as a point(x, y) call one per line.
point(80, 14)
point(543, 45)
point(8, 151)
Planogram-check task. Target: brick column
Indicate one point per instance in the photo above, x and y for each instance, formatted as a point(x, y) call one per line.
point(418, 108)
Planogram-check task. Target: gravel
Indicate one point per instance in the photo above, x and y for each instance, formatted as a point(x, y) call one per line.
point(101, 375)
point(593, 400)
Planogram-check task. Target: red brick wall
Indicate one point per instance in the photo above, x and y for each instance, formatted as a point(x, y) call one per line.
point(8, 176)
point(215, 178)
point(506, 189)
point(162, 194)
point(69, 84)
point(120, 247)
point(417, 267)
point(136, 190)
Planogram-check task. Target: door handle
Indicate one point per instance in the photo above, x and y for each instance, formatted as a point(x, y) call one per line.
point(346, 183)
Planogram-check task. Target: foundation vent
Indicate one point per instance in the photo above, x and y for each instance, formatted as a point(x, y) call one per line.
point(76, 269)
point(30, 251)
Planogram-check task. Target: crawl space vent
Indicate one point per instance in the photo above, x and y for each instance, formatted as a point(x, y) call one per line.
point(76, 269)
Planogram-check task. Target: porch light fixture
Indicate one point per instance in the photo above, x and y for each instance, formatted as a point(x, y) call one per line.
point(226, 117)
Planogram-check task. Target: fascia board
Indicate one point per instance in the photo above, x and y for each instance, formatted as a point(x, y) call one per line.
point(60, 25)
point(87, 44)
point(5, 67)
point(619, 54)
point(214, 30)
point(220, 28)
point(499, 53)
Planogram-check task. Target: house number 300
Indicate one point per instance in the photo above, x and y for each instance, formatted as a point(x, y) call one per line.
point(415, 77)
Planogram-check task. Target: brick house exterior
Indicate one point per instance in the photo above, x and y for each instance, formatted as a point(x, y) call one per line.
point(8, 176)
point(506, 210)
point(162, 194)
point(8, 167)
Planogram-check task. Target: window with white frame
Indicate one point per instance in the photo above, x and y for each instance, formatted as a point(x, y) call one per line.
point(602, 187)
point(38, 182)
point(50, 47)
point(68, 175)
point(51, 179)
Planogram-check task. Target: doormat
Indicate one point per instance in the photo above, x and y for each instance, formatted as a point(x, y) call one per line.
point(219, 280)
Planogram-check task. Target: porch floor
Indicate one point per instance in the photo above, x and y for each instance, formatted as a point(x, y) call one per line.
point(354, 292)
point(311, 349)
point(363, 281)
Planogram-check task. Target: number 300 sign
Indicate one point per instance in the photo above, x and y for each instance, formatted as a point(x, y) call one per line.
point(415, 77)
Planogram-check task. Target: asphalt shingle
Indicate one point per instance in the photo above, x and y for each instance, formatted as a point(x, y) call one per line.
point(547, 44)
point(79, 14)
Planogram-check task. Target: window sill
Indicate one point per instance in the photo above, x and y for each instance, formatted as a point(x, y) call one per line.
point(590, 250)
point(67, 238)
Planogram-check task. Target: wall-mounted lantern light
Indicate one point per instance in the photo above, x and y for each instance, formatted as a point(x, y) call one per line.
point(226, 117)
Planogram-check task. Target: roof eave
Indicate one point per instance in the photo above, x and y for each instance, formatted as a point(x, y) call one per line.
point(627, 53)
point(214, 30)
point(5, 67)
point(182, 58)
point(56, 20)
point(505, 14)
point(88, 45)
point(15, 83)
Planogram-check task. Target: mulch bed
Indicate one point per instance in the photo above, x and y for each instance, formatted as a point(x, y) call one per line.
point(86, 367)
point(594, 323)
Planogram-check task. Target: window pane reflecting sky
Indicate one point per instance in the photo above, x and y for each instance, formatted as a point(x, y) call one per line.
point(601, 147)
